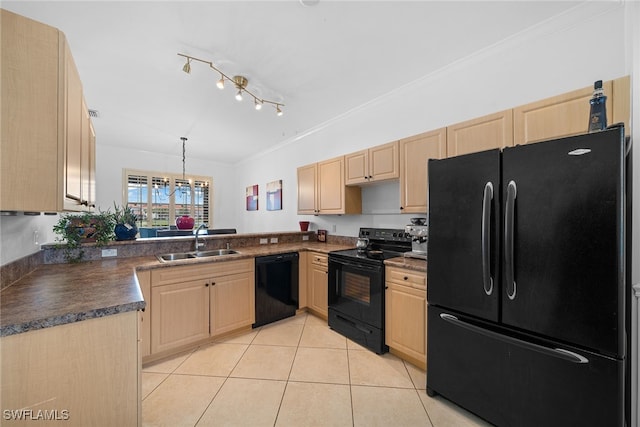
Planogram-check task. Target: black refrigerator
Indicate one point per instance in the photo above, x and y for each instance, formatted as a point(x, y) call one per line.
point(526, 283)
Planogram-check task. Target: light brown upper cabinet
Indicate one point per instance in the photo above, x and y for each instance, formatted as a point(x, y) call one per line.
point(307, 198)
point(622, 102)
point(414, 153)
point(322, 189)
point(483, 133)
point(43, 168)
point(374, 164)
point(558, 116)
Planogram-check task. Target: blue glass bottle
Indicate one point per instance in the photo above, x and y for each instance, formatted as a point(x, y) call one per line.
point(598, 113)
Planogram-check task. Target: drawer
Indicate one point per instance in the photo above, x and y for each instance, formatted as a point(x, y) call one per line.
point(319, 259)
point(410, 278)
point(176, 274)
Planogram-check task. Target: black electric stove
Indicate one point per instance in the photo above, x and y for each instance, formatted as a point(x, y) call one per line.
point(356, 286)
point(384, 243)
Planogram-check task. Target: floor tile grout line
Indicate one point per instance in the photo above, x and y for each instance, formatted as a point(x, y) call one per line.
point(210, 402)
point(228, 375)
point(286, 385)
point(156, 387)
point(425, 408)
point(353, 415)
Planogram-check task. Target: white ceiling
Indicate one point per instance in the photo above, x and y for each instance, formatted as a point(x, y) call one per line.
point(320, 61)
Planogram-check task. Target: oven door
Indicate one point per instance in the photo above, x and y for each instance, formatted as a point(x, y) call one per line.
point(356, 289)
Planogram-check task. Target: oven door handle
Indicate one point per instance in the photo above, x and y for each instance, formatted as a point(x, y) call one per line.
point(354, 264)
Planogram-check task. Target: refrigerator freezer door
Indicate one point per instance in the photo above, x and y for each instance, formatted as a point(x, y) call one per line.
point(563, 240)
point(512, 381)
point(464, 230)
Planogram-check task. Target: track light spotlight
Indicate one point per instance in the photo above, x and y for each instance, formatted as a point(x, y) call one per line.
point(278, 110)
point(187, 66)
point(239, 95)
point(220, 82)
point(258, 104)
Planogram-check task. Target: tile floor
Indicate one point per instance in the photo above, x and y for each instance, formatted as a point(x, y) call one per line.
point(295, 372)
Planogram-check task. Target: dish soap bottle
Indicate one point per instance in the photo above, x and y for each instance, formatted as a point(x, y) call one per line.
point(598, 113)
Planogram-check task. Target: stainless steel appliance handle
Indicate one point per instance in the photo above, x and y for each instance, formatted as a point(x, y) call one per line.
point(487, 280)
point(509, 220)
point(560, 353)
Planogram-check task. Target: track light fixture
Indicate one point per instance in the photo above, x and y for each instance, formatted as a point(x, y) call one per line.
point(240, 83)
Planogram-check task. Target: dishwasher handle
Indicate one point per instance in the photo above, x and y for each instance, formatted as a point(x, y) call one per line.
point(268, 259)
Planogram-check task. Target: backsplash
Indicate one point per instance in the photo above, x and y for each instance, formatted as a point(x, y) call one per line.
point(160, 245)
point(50, 254)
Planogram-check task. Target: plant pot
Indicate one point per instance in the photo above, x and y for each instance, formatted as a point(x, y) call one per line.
point(125, 232)
point(304, 225)
point(85, 230)
point(185, 222)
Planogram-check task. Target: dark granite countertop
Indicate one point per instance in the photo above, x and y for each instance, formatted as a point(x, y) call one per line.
point(56, 294)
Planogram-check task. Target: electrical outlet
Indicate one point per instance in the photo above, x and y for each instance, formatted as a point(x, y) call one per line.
point(264, 241)
point(274, 240)
point(109, 253)
point(305, 237)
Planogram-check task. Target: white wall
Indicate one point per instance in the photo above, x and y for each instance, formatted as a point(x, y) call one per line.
point(547, 60)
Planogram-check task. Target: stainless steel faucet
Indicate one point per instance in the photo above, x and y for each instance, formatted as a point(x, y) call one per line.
point(197, 244)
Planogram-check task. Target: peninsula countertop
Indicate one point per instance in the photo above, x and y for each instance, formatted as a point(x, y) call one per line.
point(56, 294)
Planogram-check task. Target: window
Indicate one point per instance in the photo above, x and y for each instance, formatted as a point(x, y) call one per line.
point(158, 198)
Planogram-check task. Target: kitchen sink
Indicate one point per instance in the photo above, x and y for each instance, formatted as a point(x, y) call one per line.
point(216, 252)
point(175, 256)
point(191, 255)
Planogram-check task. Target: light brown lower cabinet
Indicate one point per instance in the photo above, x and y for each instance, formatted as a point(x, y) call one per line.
point(180, 314)
point(406, 314)
point(78, 374)
point(318, 282)
point(190, 304)
point(231, 302)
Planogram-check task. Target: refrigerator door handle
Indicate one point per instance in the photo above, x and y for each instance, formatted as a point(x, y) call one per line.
point(560, 353)
point(487, 280)
point(509, 214)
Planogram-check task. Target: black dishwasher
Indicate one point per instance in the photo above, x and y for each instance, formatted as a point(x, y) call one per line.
point(276, 287)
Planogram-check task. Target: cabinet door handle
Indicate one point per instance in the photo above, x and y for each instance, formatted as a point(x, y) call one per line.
point(406, 278)
point(206, 285)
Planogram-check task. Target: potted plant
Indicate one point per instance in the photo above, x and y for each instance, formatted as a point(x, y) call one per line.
point(125, 220)
point(74, 230)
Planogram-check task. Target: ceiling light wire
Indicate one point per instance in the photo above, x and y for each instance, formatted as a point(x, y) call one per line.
point(239, 82)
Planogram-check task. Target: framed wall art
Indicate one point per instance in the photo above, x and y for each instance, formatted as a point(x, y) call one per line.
point(274, 195)
point(252, 197)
